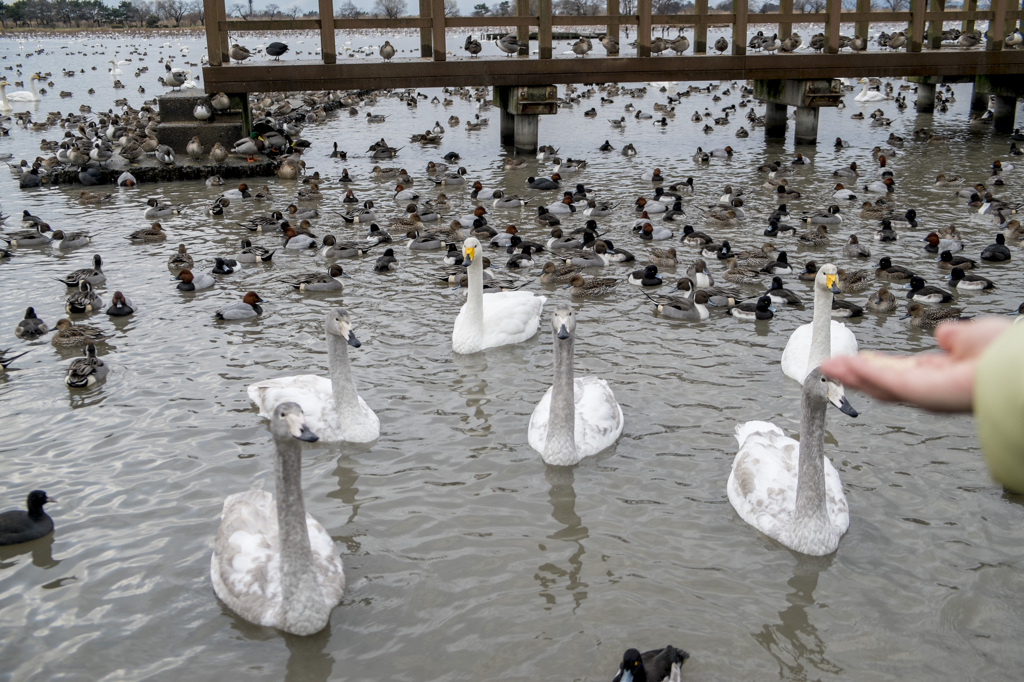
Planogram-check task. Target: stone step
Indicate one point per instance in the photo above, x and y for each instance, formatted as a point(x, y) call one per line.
point(178, 135)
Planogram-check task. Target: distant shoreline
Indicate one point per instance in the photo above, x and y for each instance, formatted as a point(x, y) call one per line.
point(100, 30)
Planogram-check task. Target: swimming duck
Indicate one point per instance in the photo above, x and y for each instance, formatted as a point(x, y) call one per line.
point(580, 287)
point(31, 237)
point(247, 308)
point(659, 233)
point(544, 183)
point(884, 301)
point(960, 280)
point(334, 249)
point(923, 317)
point(737, 274)
point(886, 233)
point(920, 290)
point(559, 274)
point(761, 309)
point(120, 305)
point(997, 252)
point(694, 237)
point(787, 489)
point(386, 262)
point(779, 266)
point(699, 274)
point(854, 249)
point(842, 193)
point(93, 275)
point(816, 237)
point(17, 526)
point(576, 417)
point(180, 259)
point(71, 335)
point(937, 244)
point(681, 307)
point(648, 277)
point(30, 327)
point(658, 664)
point(188, 281)
point(85, 300)
point(293, 239)
point(829, 216)
point(663, 257)
point(779, 294)
point(158, 210)
point(318, 281)
point(889, 272)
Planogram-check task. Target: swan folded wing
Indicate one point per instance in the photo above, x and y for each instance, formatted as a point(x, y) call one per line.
point(762, 483)
point(598, 415)
point(330, 571)
point(511, 317)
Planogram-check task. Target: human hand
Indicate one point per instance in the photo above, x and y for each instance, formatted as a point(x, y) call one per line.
point(941, 381)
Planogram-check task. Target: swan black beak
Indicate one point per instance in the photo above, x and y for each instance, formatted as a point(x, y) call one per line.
point(563, 333)
point(353, 341)
point(846, 408)
point(307, 435)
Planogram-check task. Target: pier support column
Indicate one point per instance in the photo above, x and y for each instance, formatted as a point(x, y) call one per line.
point(806, 125)
point(526, 131)
point(1004, 110)
point(979, 101)
point(925, 98)
point(775, 121)
point(508, 128)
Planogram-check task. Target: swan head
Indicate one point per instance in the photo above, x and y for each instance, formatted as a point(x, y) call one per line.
point(288, 421)
point(563, 323)
point(339, 323)
point(823, 388)
point(828, 277)
point(469, 248)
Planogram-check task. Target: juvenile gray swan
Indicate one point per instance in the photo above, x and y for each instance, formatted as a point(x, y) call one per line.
point(576, 418)
point(273, 564)
point(789, 490)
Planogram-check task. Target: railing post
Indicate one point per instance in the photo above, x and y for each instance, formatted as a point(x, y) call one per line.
point(833, 8)
point(700, 28)
point(213, 30)
point(997, 26)
point(739, 29)
point(643, 28)
point(785, 27)
point(437, 29)
point(426, 43)
point(935, 26)
point(613, 19)
point(523, 26)
point(327, 48)
point(544, 29)
point(917, 8)
point(862, 28)
point(968, 24)
point(1020, 16)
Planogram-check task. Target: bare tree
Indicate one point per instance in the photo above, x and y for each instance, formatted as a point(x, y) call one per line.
point(451, 8)
point(392, 9)
point(894, 5)
point(272, 10)
point(627, 7)
point(172, 10)
point(577, 7)
point(293, 11)
point(348, 10)
point(238, 9)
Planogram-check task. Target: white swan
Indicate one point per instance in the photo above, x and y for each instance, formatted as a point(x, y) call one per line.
point(4, 104)
point(24, 95)
point(789, 490)
point(273, 564)
point(576, 418)
point(508, 316)
point(868, 95)
point(333, 407)
point(811, 344)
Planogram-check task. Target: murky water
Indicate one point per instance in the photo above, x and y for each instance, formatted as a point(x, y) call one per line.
point(468, 558)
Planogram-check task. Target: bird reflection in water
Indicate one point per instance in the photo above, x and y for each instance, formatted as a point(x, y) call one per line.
point(562, 497)
point(794, 642)
point(308, 661)
point(42, 556)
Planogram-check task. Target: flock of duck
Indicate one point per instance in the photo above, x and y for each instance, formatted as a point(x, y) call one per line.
point(275, 565)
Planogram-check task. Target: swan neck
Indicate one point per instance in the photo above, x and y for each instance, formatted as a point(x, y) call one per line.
point(475, 294)
point(342, 386)
point(561, 436)
point(810, 491)
point(297, 577)
point(821, 328)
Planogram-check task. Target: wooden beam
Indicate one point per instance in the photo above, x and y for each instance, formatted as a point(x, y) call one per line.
point(437, 30)
point(612, 10)
point(862, 27)
point(213, 32)
point(523, 26)
point(327, 48)
point(700, 27)
point(916, 38)
point(643, 28)
point(970, 6)
point(997, 26)
point(833, 8)
point(426, 39)
point(544, 29)
point(739, 29)
point(785, 25)
point(934, 38)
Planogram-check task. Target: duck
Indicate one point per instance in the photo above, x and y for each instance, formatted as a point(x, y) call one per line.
point(663, 257)
point(120, 305)
point(760, 309)
point(293, 239)
point(854, 249)
point(884, 301)
point(71, 335)
point(158, 210)
point(828, 216)
point(655, 233)
point(695, 237)
point(788, 489)
point(332, 248)
point(253, 254)
point(319, 281)
point(924, 317)
point(544, 183)
point(505, 318)
point(816, 237)
point(960, 280)
point(737, 274)
point(947, 261)
point(502, 200)
point(247, 308)
point(997, 252)
point(273, 564)
point(647, 277)
point(553, 273)
point(682, 307)
point(18, 526)
point(920, 290)
point(93, 275)
point(780, 295)
point(658, 664)
point(386, 262)
point(86, 371)
point(937, 244)
point(779, 266)
point(580, 287)
point(841, 193)
point(891, 273)
point(576, 417)
point(189, 281)
point(85, 300)
point(699, 274)
point(31, 327)
point(811, 344)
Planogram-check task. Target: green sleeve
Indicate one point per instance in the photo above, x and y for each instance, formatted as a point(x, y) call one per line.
point(999, 407)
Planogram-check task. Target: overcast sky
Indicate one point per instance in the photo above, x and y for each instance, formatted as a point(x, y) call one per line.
point(412, 6)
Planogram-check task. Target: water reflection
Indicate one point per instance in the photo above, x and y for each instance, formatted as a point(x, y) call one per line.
point(347, 490)
point(562, 497)
point(309, 662)
point(41, 550)
point(794, 642)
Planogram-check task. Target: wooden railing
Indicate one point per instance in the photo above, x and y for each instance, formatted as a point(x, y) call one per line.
point(924, 22)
